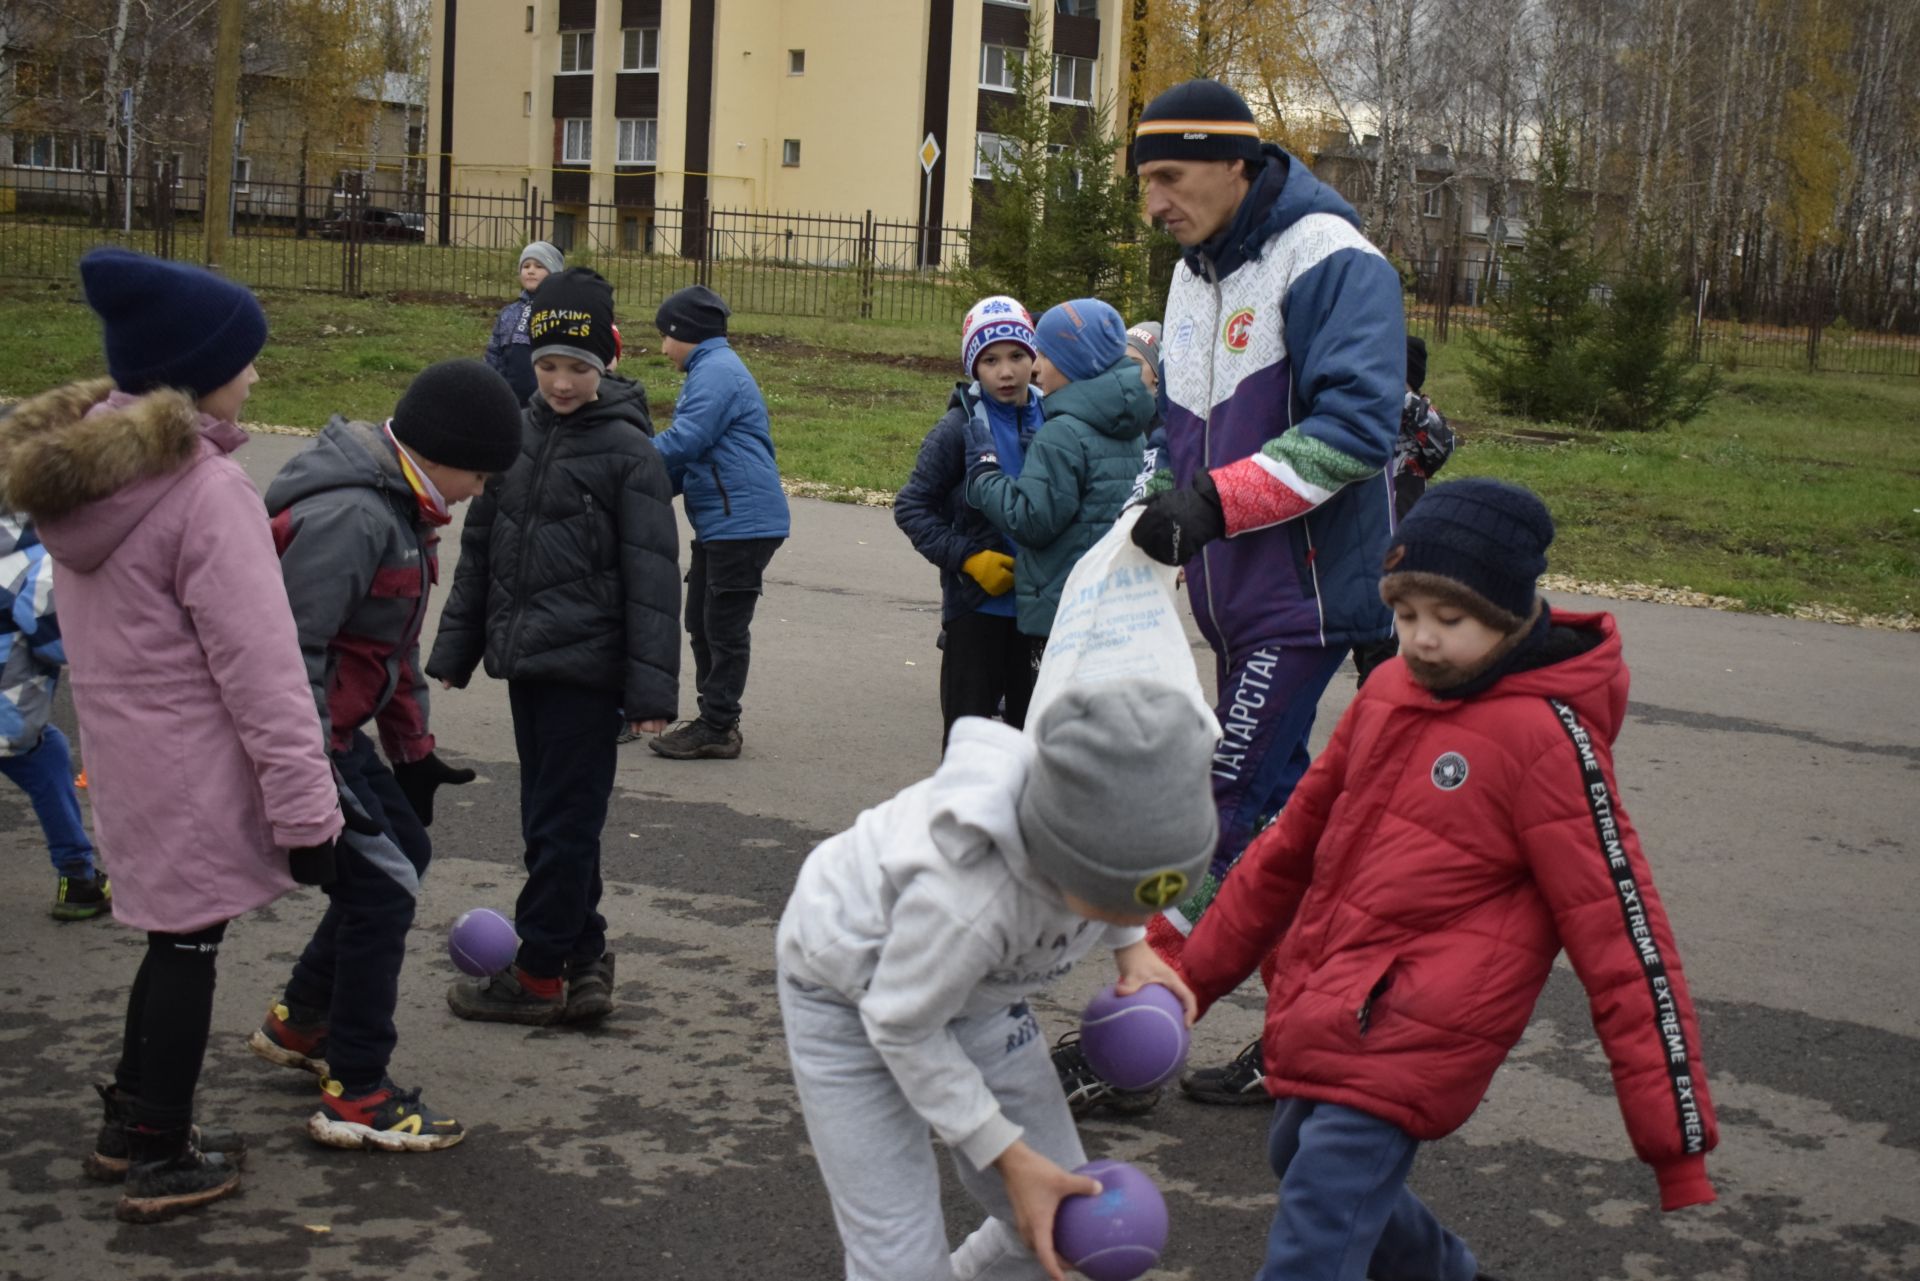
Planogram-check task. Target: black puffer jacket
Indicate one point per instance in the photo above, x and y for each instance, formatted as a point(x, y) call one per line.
point(569, 564)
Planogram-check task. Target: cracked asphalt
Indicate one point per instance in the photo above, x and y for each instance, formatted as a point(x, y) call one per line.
point(1772, 766)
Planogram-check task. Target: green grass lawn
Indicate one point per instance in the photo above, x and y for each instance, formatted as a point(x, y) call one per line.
point(1792, 489)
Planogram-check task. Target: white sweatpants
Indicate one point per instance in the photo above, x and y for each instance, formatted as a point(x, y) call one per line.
point(876, 1154)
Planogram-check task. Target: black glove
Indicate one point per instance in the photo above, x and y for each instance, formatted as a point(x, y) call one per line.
point(1174, 526)
point(311, 864)
point(419, 780)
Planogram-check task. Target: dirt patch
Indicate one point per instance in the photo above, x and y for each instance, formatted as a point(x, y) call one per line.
point(776, 345)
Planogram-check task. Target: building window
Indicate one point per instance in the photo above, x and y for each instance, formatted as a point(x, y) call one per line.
point(1077, 8)
point(56, 151)
point(1433, 202)
point(576, 142)
point(1073, 174)
point(242, 175)
point(576, 53)
point(997, 65)
point(179, 162)
point(529, 17)
point(1012, 4)
point(989, 147)
point(526, 103)
point(1072, 79)
point(563, 231)
point(640, 49)
point(638, 142)
point(790, 153)
point(796, 62)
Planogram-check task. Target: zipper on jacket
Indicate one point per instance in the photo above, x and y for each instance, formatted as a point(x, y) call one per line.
point(726, 504)
point(1206, 439)
point(526, 542)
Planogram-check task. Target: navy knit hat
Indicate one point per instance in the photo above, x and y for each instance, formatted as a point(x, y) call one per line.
point(1082, 338)
point(171, 325)
point(693, 314)
point(571, 314)
point(1197, 120)
point(461, 414)
point(1478, 543)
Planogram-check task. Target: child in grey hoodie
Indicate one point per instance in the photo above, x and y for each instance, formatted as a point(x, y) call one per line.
point(913, 940)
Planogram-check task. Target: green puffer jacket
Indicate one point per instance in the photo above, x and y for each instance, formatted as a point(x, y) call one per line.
point(1078, 474)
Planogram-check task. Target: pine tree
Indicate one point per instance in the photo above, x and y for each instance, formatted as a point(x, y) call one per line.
point(1534, 361)
point(1647, 377)
point(1058, 220)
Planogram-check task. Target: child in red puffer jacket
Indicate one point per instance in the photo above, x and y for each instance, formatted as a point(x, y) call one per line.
point(1462, 827)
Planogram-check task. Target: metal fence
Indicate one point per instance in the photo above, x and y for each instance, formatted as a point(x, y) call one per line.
point(1770, 326)
point(318, 237)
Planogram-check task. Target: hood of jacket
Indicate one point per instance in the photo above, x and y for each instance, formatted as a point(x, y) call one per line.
point(1591, 678)
point(619, 400)
point(346, 455)
point(973, 800)
point(1282, 193)
point(87, 463)
point(1114, 402)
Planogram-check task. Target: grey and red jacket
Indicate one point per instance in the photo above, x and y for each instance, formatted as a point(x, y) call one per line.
point(1284, 364)
point(358, 561)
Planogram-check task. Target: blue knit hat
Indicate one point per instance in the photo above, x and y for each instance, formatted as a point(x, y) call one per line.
point(1082, 338)
point(1197, 120)
point(171, 325)
point(1478, 543)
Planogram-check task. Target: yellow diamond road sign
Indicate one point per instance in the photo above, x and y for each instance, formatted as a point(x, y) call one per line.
point(929, 153)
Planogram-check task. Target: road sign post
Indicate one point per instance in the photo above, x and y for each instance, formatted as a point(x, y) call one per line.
point(929, 157)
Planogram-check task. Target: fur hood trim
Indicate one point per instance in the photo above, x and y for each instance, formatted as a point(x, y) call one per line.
point(56, 459)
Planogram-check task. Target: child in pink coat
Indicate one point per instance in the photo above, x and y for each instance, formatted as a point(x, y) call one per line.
point(208, 771)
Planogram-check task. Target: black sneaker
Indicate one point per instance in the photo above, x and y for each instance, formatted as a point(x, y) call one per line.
point(696, 740)
point(388, 1118)
point(1239, 1082)
point(166, 1174)
point(1086, 1092)
point(107, 1163)
point(627, 734)
point(78, 898)
point(503, 999)
point(589, 990)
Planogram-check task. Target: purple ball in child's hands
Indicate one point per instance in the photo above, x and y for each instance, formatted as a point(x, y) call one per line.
point(1136, 1042)
point(1117, 1235)
point(482, 942)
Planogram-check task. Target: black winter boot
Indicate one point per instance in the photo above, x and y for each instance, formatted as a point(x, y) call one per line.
point(167, 1174)
point(107, 1163)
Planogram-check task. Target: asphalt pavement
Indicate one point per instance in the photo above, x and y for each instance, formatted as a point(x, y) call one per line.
point(1772, 767)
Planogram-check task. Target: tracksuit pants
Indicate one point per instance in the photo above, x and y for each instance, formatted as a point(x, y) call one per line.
point(351, 966)
point(724, 581)
point(567, 738)
point(876, 1154)
point(986, 659)
point(45, 774)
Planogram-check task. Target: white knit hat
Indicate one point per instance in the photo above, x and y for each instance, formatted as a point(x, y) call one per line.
point(992, 320)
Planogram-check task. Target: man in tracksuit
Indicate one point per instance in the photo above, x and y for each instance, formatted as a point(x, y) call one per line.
point(1284, 359)
point(356, 519)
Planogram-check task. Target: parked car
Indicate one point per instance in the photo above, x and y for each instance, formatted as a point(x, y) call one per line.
point(374, 223)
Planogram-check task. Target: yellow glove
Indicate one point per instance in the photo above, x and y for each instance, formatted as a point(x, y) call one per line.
point(992, 570)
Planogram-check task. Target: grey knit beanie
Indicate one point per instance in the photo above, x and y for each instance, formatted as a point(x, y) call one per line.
point(1118, 810)
point(544, 254)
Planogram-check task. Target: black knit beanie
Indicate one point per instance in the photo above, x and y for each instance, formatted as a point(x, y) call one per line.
point(571, 314)
point(1479, 543)
point(1197, 120)
point(461, 414)
point(1416, 362)
point(693, 314)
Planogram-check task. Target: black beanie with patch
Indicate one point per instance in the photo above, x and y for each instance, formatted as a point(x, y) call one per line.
point(1197, 120)
point(1479, 543)
point(571, 314)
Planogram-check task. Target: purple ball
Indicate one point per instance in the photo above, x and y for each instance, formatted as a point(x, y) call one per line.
point(482, 942)
point(1117, 1235)
point(1136, 1042)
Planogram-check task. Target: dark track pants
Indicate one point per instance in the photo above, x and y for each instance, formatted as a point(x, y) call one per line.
point(567, 739)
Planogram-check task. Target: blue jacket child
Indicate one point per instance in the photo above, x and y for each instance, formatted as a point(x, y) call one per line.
point(33, 752)
point(719, 454)
point(509, 348)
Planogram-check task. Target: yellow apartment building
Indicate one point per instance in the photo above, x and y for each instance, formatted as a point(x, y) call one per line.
point(619, 112)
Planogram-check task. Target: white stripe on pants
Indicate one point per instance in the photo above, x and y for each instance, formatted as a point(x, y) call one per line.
point(876, 1153)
